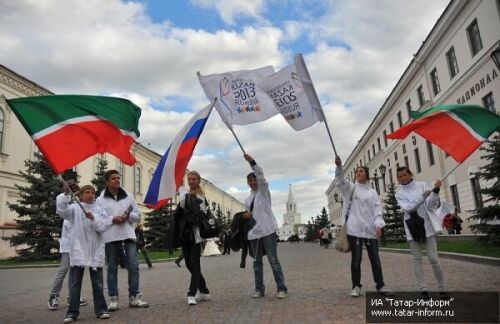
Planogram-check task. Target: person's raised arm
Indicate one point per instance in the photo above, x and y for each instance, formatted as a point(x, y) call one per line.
point(344, 186)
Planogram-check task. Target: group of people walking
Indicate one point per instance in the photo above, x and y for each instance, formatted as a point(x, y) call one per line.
point(102, 230)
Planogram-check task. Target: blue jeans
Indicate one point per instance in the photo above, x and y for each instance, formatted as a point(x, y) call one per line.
point(269, 244)
point(356, 244)
point(112, 255)
point(75, 282)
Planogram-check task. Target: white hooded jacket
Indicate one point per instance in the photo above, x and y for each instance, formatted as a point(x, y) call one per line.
point(64, 242)
point(86, 246)
point(366, 211)
point(116, 206)
point(410, 199)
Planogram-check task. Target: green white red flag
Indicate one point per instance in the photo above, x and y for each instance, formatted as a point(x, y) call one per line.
point(457, 129)
point(70, 128)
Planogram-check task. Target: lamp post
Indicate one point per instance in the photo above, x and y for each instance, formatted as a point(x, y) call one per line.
point(382, 168)
point(495, 56)
point(375, 178)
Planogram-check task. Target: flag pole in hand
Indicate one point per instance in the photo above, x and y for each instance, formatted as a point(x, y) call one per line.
point(68, 188)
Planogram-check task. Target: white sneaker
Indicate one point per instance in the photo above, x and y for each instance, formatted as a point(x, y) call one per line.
point(137, 302)
point(257, 294)
point(356, 292)
point(113, 303)
point(202, 297)
point(69, 319)
point(104, 316)
point(282, 294)
point(191, 300)
point(53, 303)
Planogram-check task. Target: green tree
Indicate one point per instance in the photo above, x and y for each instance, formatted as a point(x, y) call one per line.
point(322, 220)
point(98, 182)
point(156, 224)
point(393, 216)
point(487, 217)
point(310, 232)
point(39, 228)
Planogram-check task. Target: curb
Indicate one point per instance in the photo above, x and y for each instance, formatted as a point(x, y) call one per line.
point(453, 256)
point(56, 265)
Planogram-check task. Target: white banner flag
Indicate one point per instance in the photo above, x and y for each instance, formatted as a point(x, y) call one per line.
point(240, 101)
point(293, 95)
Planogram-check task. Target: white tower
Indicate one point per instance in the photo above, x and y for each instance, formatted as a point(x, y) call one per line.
point(291, 217)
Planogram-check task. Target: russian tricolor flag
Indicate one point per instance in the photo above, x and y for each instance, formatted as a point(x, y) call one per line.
point(170, 171)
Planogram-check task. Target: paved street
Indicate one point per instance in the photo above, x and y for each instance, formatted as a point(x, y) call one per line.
point(318, 281)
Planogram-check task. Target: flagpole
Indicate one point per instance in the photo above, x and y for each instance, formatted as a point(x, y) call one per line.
point(67, 187)
point(299, 56)
point(450, 172)
point(230, 128)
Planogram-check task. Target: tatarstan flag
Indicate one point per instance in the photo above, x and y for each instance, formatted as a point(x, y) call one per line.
point(70, 128)
point(457, 129)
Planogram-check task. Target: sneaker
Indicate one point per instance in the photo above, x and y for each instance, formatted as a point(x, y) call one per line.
point(191, 300)
point(178, 263)
point(257, 294)
point(136, 301)
point(69, 319)
point(356, 292)
point(83, 302)
point(53, 303)
point(385, 292)
point(202, 297)
point(282, 294)
point(113, 303)
point(104, 316)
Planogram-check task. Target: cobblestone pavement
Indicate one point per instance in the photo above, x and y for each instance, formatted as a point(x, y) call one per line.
point(318, 281)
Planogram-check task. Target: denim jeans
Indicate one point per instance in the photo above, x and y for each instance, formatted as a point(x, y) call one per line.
point(356, 245)
point(61, 274)
point(112, 255)
point(192, 255)
point(75, 279)
point(431, 251)
point(269, 243)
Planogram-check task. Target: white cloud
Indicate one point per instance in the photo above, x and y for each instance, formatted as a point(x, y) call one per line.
point(230, 10)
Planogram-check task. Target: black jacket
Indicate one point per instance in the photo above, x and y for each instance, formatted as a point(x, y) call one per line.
point(239, 230)
point(140, 242)
point(180, 228)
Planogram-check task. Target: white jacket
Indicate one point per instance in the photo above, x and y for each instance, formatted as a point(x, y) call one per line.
point(64, 242)
point(366, 211)
point(86, 243)
point(410, 199)
point(262, 211)
point(116, 206)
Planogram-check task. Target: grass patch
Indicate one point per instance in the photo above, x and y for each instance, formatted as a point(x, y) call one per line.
point(459, 246)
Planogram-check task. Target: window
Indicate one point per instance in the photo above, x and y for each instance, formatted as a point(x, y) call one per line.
point(408, 108)
point(455, 198)
point(369, 156)
point(430, 152)
point(2, 122)
point(121, 170)
point(435, 81)
point(400, 119)
point(420, 94)
point(373, 149)
point(452, 62)
point(476, 192)
point(488, 103)
point(407, 164)
point(390, 176)
point(417, 161)
point(403, 147)
point(385, 138)
point(391, 127)
point(396, 156)
point(474, 37)
point(137, 180)
point(378, 144)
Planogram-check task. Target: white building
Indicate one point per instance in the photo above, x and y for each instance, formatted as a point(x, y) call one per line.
point(16, 146)
point(292, 223)
point(453, 65)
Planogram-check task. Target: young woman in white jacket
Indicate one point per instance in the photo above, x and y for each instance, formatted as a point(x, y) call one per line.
point(86, 249)
point(420, 202)
point(364, 225)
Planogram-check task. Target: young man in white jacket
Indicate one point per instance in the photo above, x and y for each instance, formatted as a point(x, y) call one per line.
point(122, 210)
point(86, 249)
point(364, 225)
point(262, 236)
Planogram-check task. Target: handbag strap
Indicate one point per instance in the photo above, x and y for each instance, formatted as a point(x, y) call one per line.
point(251, 205)
point(350, 204)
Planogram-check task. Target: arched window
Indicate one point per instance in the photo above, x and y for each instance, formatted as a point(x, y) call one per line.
point(2, 127)
point(137, 180)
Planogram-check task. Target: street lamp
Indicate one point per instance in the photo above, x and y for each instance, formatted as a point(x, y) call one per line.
point(214, 204)
point(495, 56)
point(382, 169)
point(375, 178)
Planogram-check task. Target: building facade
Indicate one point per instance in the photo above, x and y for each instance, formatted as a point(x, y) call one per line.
point(453, 65)
point(292, 222)
point(16, 146)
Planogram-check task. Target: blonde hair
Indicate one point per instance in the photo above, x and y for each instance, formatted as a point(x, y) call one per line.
point(197, 191)
point(85, 188)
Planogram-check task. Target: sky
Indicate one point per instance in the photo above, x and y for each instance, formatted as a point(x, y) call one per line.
point(150, 50)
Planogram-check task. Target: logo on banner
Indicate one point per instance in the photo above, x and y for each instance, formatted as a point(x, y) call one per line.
point(285, 97)
point(242, 91)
